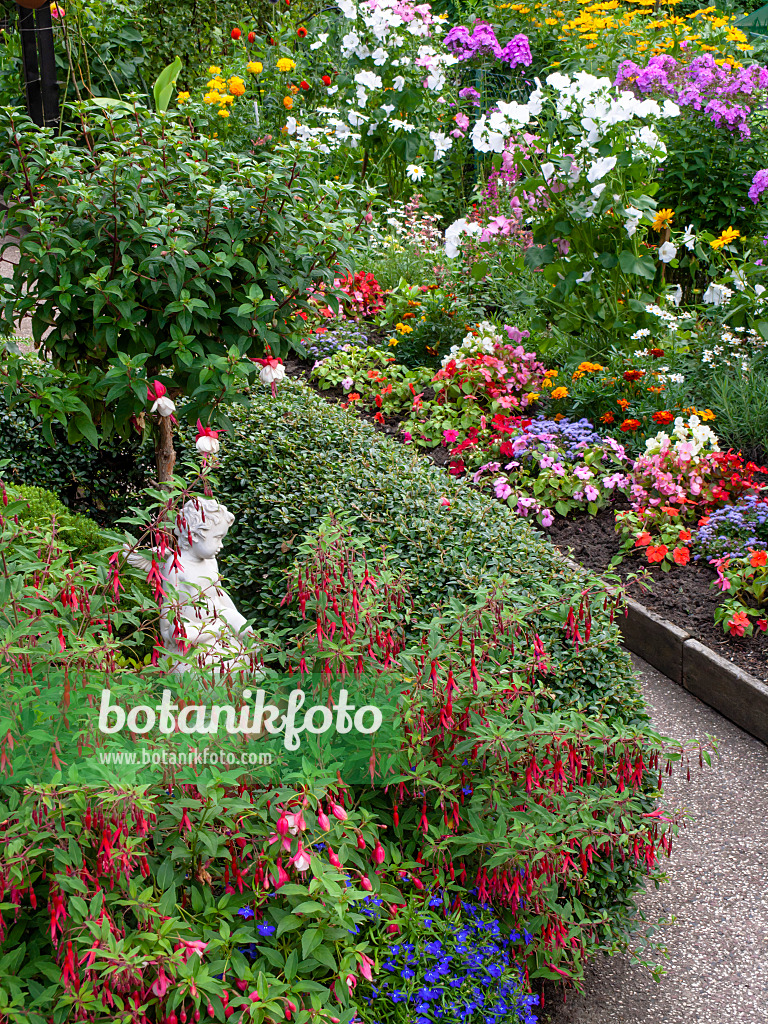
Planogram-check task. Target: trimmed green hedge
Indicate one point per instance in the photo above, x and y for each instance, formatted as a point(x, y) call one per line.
point(41, 507)
point(292, 460)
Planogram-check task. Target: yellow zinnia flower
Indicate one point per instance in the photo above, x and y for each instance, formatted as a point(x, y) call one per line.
point(728, 236)
point(662, 219)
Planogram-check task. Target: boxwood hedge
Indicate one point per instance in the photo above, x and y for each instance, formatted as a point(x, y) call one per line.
point(292, 460)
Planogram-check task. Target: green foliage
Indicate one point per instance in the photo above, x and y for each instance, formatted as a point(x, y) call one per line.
point(42, 508)
point(740, 403)
point(100, 482)
point(153, 253)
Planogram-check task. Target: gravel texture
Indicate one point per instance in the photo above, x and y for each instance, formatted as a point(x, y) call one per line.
point(717, 971)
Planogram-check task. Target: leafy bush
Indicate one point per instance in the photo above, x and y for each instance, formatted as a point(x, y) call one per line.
point(41, 508)
point(101, 481)
point(292, 460)
point(154, 253)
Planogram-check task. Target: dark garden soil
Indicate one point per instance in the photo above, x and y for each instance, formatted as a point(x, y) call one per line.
point(682, 595)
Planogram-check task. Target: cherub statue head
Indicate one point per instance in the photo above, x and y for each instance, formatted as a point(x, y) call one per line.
point(206, 522)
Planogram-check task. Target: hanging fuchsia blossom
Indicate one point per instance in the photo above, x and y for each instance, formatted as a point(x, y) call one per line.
point(207, 440)
point(157, 393)
point(272, 372)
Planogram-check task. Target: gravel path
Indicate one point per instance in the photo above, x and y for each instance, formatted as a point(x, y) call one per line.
point(717, 971)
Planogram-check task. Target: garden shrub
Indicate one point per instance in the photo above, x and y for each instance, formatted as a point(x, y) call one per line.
point(740, 401)
point(292, 460)
point(41, 508)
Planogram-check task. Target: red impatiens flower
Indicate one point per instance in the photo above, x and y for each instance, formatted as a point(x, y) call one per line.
point(758, 559)
point(643, 540)
point(657, 554)
point(304, 85)
point(326, 79)
point(681, 555)
point(738, 623)
point(684, 535)
point(301, 32)
point(662, 418)
point(762, 625)
point(630, 425)
point(235, 33)
point(633, 374)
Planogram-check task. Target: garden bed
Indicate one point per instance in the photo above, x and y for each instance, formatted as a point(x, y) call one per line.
point(685, 597)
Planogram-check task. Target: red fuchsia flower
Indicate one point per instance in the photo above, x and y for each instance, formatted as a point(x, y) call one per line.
point(301, 859)
point(160, 985)
point(326, 79)
point(301, 32)
point(272, 372)
point(282, 875)
point(758, 559)
point(657, 553)
point(662, 418)
point(251, 37)
point(207, 440)
point(738, 623)
point(681, 555)
point(158, 395)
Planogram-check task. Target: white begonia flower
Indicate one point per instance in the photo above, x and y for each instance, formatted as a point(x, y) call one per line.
point(320, 41)
point(379, 56)
point(348, 9)
point(667, 252)
point(415, 172)
point(164, 406)
point(399, 83)
point(716, 295)
point(602, 166)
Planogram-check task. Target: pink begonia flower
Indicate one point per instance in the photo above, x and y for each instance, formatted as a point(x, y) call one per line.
point(591, 492)
point(583, 473)
point(547, 518)
point(451, 436)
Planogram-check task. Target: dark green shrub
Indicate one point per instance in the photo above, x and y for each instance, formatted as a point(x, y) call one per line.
point(101, 482)
point(42, 507)
point(291, 461)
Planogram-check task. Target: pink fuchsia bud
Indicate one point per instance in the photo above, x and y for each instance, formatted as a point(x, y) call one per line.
point(351, 982)
point(333, 859)
point(228, 1011)
point(283, 825)
point(254, 997)
point(366, 883)
point(241, 985)
point(360, 842)
point(173, 1019)
point(379, 856)
point(368, 217)
point(155, 390)
point(338, 811)
point(323, 820)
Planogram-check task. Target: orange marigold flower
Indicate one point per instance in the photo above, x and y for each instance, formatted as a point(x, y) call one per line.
point(657, 353)
point(287, 102)
point(623, 403)
point(607, 417)
point(662, 418)
point(631, 375)
point(630, 425)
